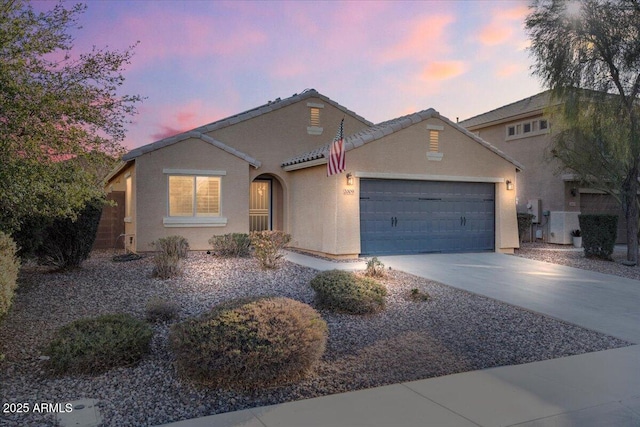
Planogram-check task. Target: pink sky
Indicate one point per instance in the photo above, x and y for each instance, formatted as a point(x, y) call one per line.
point(200, 61)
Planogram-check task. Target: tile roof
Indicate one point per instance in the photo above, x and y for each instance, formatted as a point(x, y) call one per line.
point(522, 108)
point(386, 128)
point(237, 118)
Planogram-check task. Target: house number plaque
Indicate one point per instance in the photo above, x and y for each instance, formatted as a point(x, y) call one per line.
point(348, 191)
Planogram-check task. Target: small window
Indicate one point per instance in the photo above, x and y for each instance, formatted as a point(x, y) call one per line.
point(314, 119)
point(128, 196)
point(194, 196)
point(526, 128)
point(543, 124)
point(511, 130)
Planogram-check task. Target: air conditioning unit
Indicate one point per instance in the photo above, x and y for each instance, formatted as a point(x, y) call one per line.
point(560, 226)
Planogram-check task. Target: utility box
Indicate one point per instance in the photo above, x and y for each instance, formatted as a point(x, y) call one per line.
point(560, 226)
point(533, 207)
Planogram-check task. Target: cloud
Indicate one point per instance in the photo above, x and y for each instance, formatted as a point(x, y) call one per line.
point(517, 13)
point(503, 24)
point(492, 35)
point(425, 36)
point(167, 31)
point(169, 120)
point(509, 70)
point(442, 70)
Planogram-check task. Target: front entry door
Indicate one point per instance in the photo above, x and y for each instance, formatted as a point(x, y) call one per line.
point(260, 205)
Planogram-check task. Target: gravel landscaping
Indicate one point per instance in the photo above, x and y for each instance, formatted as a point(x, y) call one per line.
point(567, 255)
point(454, 331)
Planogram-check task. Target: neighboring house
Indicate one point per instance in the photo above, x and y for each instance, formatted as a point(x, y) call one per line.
point(419, 183)
point(524, 132)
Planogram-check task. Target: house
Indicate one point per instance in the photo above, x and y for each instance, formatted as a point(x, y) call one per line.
point(524, 132)
point(418, 183)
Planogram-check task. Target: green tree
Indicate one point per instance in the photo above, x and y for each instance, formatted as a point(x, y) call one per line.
point(62, 118)
point(588, 53)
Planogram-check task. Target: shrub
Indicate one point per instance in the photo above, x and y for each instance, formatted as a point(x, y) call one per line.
point(345, 291)
point(67, 242)
point(375, 268)
point(175, 246)
point(232, 245)
point(599, 232)
point(268, 246)
point(524, 224)
point(31, 235)
point(95, 345)
point(418, 295)
point(160, 310)
point(166, 266)
point(170, 251)
point(250, 343)
point(9, 266)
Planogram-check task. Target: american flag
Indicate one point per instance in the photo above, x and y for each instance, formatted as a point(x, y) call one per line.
point(335, 162)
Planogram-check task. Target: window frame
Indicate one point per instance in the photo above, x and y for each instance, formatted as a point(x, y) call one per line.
point(194, 220)
point(128, 197)
point(527, 128)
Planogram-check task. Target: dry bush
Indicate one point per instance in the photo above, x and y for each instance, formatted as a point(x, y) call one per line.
point(9, 266)
point(348, 292)
point(231, 245)
point(250, 343)
point(170, 253)
point(94, 345)
point(268, 246)
point(160, 310)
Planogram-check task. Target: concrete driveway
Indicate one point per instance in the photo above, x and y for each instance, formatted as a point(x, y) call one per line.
point(601, 302)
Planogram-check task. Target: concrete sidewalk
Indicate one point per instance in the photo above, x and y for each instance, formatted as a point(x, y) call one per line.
point(591, 390)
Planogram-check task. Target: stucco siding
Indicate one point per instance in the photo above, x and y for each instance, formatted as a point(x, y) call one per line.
point(282, 133)
point(327, 219)
point(191, 155)
point(313, 210)
point(540, 179)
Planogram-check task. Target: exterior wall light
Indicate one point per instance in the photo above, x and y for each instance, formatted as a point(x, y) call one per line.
point(509, 185)
point(349, 179)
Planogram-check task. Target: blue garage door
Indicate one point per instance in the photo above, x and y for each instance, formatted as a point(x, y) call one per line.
point(406, 217)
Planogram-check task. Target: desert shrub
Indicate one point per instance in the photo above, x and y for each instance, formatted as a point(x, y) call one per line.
point(268, 246)
point(166, 266)
point(599, 232)
point(417, 295)
point(250, 343)
point(67, 242)
point(9, 266)
point(95, 345)
point(176, 246)
point(231, 245)
point(375, 268)
point(170, 251)
point(161, 310)
point(348, 292)
point(31, 235)
point(524, 224)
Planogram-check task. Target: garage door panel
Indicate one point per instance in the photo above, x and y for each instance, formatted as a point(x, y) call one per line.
point(429, 216)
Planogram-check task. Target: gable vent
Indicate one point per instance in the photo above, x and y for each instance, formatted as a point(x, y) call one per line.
point(433, 141)
point(315, 117)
